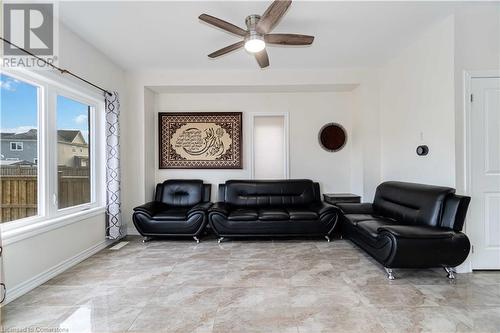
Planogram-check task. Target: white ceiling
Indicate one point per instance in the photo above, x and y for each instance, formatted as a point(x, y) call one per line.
point(166, 34)
point(255, 89)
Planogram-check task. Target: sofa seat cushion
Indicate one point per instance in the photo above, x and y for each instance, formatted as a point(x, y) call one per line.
point(172, 214)
point(273, 214)
point(371, 227)
point(243, 215)
point(355, 218)
point(417, 231)
point(301, 214)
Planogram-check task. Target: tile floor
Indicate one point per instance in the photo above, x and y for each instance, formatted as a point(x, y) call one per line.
point(254, 286)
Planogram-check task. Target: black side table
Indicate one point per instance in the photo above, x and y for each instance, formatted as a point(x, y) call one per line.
point(334, 198)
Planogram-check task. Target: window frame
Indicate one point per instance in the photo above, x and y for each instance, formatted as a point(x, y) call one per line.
point(49, 86)
point(92, 123)
point(17, 143)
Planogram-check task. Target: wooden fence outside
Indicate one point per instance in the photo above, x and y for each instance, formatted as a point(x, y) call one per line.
point(19, 190)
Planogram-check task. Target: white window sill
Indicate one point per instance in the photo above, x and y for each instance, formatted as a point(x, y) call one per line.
point(40, 227)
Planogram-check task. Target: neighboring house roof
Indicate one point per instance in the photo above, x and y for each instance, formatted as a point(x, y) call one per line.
point(67, 136)
point(30, 135)
point(10, 162)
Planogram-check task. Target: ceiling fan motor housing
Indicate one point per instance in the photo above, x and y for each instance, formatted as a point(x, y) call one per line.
point(251, 22)
point(258, 33)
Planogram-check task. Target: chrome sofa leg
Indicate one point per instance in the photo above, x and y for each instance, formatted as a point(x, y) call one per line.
point(196, 239)
point(451, 272)
point(220, 239)
point(327, 238)
point(146, 239)
point(390, 274)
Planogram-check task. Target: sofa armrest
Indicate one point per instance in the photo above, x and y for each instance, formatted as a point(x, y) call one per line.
point(356, 208)
point(417, 231)
point(455, 211)
point(201, 207)
point(322, 208)
point(220, 207)
point(152, 208)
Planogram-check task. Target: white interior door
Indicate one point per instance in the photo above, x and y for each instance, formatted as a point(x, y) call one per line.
point(483, 223)
point(269, 147)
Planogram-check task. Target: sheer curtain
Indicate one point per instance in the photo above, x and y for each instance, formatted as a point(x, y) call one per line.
point(114, 227)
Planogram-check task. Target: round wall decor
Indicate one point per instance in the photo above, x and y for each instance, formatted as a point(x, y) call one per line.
point(332, 137)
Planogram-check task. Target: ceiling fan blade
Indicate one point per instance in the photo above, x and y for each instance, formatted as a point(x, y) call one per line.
point(289, 39)
point(223, 24)
point(272, 15)
point(227, 49)
point(262, 58)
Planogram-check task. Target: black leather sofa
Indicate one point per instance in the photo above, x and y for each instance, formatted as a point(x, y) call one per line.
point(179, 209)
point(410, 226)
point(271, 208)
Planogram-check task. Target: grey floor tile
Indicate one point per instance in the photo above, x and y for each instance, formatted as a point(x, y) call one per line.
point(277, 319)
point(323, 319)
point(267, 285)
point(174, 320)
point(18, 318)
point(423, 319)
point(88, 318)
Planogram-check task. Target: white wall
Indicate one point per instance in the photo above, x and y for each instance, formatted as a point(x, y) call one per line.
point(140, 124)
point(30, 261)
point(308, 112)
point(477, 48)
point(150, 107)
point(417, 107)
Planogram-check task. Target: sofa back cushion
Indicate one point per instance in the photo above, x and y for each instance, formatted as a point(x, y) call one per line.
point(181, 192)
point(409, 203)
point(267, 193)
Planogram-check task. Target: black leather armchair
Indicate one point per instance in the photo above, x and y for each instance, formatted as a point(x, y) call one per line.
point(271, 208)
point(179, 209)
point(410, 226)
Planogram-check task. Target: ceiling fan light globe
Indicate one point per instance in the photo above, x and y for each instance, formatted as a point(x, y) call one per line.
point(255, 45)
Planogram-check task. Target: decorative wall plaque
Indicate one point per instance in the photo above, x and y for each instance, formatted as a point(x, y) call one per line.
point(200, 140)
point(332, 137)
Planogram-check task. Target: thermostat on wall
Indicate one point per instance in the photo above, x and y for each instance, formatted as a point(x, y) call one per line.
point(422, 150)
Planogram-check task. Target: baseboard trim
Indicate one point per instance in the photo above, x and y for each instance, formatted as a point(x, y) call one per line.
point(27, 286)
point(466, 267)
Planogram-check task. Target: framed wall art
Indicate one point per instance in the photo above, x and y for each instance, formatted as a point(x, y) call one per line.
point(200, 140)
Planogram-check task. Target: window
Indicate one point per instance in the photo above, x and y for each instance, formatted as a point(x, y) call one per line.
point(50, 136)
point(16, 146)
point(19, 110)
point(73, 169)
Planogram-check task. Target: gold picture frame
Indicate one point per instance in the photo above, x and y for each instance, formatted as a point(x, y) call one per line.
point(200, 140)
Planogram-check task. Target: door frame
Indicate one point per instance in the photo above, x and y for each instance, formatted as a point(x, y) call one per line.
point(286, 148)
point(468, 76)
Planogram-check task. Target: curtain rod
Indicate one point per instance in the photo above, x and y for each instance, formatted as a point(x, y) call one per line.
point(61, 70)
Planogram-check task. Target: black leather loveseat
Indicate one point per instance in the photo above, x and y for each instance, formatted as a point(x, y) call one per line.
point(179, 209)
point(271, 208)
point(410, 226)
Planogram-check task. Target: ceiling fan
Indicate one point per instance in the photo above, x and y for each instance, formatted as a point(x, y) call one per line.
point(258, 35)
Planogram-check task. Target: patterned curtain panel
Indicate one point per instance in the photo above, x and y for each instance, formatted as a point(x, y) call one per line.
point(114, 228)
point(3, 291)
